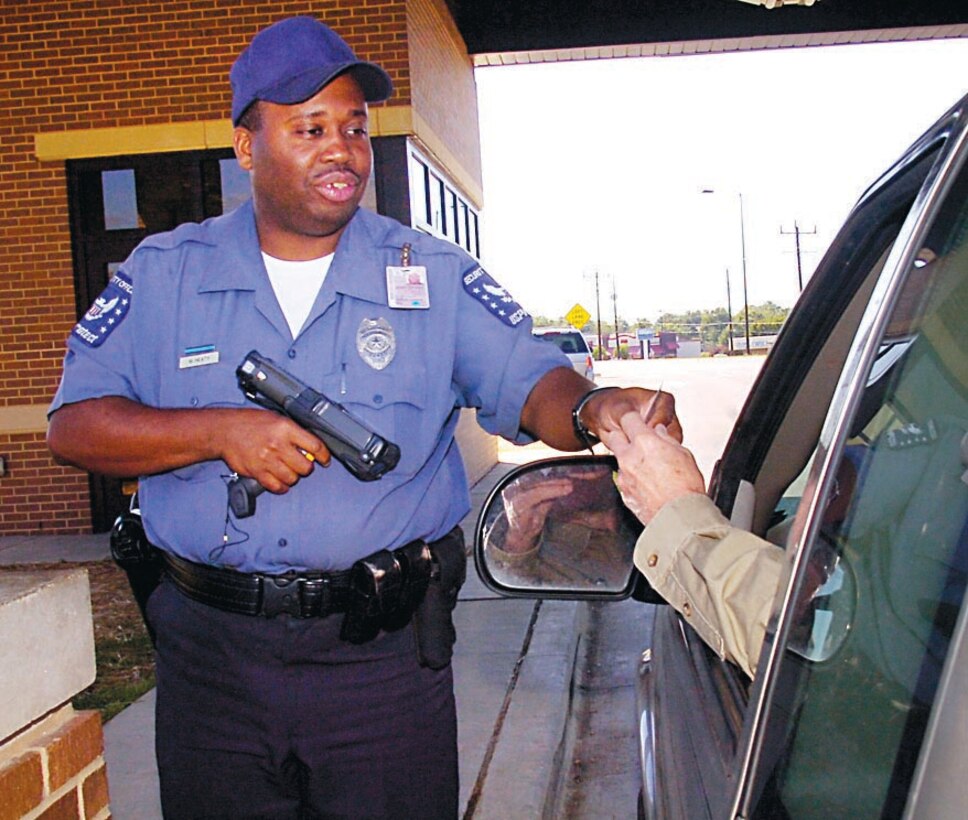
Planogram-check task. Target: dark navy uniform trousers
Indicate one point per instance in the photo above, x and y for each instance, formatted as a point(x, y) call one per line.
point(279, 718)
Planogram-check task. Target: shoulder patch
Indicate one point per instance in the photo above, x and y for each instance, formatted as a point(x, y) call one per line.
point(107, 312)
point(480, 286)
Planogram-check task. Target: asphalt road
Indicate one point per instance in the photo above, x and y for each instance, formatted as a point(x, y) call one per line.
point(709, 396)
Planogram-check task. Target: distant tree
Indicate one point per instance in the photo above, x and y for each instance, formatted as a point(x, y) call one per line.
point(711, 327)
point(544, 321)
point(767, 319)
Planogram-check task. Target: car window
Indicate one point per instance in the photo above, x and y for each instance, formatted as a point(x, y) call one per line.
point(567, 342)
point(887, 573)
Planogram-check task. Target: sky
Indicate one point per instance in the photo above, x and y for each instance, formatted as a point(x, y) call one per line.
point(598, 167)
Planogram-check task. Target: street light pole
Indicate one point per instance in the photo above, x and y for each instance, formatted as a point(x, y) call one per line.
point(746, 303)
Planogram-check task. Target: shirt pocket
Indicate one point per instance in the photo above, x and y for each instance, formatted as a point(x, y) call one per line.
point(201, 388)
point(207, 385)
point(392, 405)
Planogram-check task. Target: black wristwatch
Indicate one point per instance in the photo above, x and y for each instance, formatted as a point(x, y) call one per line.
point(582, 433)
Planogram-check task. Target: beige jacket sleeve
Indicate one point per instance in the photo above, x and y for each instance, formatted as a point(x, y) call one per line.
point(721, 579)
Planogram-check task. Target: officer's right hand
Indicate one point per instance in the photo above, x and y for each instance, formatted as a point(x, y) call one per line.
point(270, 448)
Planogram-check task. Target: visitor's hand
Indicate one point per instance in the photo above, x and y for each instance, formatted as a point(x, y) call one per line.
point(527, 504)
point(654, 468)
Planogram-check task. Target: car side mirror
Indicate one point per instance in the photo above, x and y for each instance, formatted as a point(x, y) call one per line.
point(557, 528)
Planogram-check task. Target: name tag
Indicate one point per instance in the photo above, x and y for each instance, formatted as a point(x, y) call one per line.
point(197, 357)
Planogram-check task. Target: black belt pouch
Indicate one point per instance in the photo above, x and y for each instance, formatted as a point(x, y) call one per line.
point(140, 560)
point(433, 619)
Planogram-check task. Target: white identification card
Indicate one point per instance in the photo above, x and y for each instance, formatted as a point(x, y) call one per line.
point(407, 287)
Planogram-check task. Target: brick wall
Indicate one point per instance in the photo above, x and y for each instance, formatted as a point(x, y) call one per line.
point(55, 769)
point(37, 495)
point(75, 64)
point(443, 87)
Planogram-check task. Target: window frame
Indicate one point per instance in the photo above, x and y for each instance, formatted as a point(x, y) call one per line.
point(440, 208)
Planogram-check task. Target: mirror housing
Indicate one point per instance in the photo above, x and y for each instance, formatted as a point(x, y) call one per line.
point(557, 528)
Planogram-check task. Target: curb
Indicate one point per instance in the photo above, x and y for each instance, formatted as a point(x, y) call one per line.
point(523, 770)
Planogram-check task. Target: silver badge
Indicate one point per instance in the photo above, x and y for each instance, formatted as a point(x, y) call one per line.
point(376, 343)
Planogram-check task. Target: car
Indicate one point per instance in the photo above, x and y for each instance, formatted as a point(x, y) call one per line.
point(859, 703)
point(573, 345)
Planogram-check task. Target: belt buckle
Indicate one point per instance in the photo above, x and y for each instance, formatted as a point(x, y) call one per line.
point(318, 595)
point(281, 595)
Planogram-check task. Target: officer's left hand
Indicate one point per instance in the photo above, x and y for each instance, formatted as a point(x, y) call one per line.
point(605, 410)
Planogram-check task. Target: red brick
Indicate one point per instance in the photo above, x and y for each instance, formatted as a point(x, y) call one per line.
point(77, 744)
point(21, 786)
point(94, 792)
point(66, 808)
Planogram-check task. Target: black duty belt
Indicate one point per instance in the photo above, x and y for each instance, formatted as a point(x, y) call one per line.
point(300, 594)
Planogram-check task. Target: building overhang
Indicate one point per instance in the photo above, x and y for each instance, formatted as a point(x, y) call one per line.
point(501, 32)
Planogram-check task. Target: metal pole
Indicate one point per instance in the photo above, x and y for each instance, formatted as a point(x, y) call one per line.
point(729, 308)
point(746, 303)
point(797, 232)
point(598, 313)
point(615, 315)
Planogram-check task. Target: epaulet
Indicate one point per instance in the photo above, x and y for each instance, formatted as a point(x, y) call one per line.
point(188, 232)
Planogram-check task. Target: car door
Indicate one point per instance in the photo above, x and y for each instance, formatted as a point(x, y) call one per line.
point(839, 719)
point(709, 735)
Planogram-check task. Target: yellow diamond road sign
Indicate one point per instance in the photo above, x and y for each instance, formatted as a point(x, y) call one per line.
point(578, 317)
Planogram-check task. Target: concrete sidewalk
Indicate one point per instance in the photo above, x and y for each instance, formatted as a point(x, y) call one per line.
point(513, 669)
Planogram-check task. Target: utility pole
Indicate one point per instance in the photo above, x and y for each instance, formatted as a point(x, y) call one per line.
point(598, 314)
point(615, 315)
point(797, 233)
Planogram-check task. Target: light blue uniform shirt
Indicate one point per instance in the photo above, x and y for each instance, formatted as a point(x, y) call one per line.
point(202, 290)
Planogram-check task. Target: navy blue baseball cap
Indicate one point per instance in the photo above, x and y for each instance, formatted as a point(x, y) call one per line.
point(291, 60)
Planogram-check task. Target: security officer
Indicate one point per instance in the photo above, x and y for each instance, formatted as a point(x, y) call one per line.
point(266, 706)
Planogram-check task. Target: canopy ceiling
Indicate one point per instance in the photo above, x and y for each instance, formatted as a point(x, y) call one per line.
point(515, 31)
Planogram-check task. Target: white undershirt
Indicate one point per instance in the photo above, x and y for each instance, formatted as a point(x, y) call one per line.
point(296, 285)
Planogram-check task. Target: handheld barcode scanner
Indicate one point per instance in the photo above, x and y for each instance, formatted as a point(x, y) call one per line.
point(363, 452)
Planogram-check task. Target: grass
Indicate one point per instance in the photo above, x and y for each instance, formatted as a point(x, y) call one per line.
point(122, 648)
